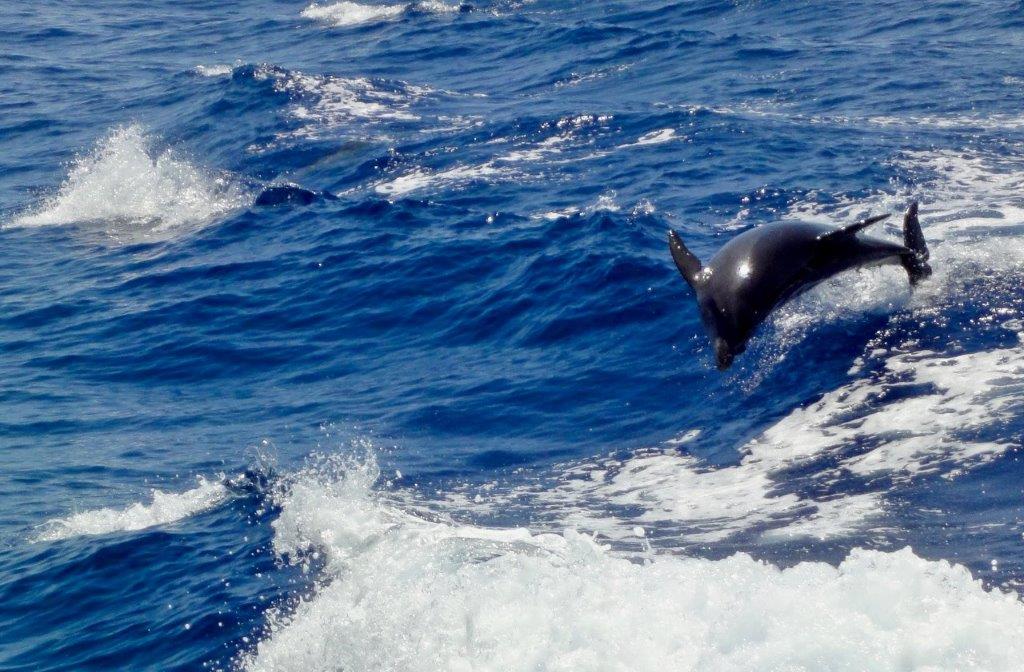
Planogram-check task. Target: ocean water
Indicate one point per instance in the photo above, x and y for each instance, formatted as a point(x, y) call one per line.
point(453, 408)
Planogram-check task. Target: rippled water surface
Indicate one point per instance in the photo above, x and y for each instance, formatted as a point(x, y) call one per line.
point(447, 405)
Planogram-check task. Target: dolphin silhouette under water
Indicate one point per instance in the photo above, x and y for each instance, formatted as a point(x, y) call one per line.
point(290, 194)
point(764, 267)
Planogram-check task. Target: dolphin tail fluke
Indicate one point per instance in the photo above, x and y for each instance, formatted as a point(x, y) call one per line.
point(915, 261)
point(688, 264)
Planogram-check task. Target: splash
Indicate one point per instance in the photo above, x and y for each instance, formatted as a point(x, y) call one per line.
point(906, 414)
point(164, 508)
point(127, 183)
point(402, 592)
point(344, 14)
point(218, 70)
point(937, 431)
point(351, 13)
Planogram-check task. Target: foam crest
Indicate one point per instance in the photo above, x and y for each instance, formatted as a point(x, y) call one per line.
point(163, 508)
point(513, 164)
point(605, 203)
point(653, 138)
point(962, 193)
point(458, 176)
point(218, 70)
point(401, 592)
point(324, 104)
point(922, 433)
point(127, 182)
point(351, 13)
point(905, 414)
point(345, 13)
point(954, 122)
point(933, 431)
point(972, 204)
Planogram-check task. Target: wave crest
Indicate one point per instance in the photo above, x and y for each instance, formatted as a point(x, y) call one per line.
point(345, 13)
point(402, 592)
point(126, 180)
point(164, 508)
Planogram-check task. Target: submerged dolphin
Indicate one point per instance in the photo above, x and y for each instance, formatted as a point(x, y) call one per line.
point(280, 194)
point(764, 267)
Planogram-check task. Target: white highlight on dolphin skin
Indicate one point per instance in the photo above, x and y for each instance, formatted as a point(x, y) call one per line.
point(403, 593)
point(164, 508)
point(126, 180)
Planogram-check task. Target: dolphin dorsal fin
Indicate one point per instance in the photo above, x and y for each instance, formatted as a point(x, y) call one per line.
point(688, 264)
point(852, 229)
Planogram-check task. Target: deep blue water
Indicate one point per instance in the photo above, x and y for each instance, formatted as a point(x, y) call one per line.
point(489, 302)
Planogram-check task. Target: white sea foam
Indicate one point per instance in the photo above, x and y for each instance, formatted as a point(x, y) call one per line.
point(963, 122)
point(127, 182)
point(517, 163)
point(324, 104)
point(331, 100)
point(539, 151)
point(929, 432)
point(401, 592)
point(653, 138)
point(436, 7)
point(342, 14)
point(915, 414)
point(219, 70)
point(422, 179)
point(351, 13)
point(550, 149)
point(606, 202)
point(164, 508)
point(578, 78)
point(962, 192)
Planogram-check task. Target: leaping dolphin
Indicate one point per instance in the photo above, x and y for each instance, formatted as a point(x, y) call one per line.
point(762, 268)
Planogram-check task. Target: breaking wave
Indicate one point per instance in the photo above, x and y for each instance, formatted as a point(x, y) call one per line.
point(342, 14)
point(163, 508)
point(402, 592)
point(127, 183)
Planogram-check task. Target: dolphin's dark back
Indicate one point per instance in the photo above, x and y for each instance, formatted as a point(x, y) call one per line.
point(764, 267)
point(756, 271)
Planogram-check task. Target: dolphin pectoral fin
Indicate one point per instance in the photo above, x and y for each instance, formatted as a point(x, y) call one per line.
point(852, 229)
point(915, 261)
point(688, 265)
